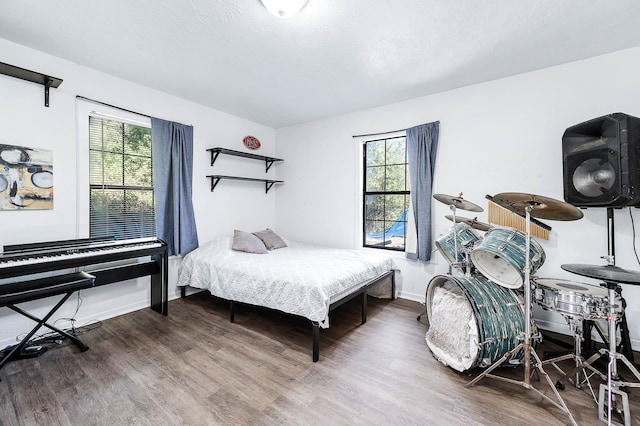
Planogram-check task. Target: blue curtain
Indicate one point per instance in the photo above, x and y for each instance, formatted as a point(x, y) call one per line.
point(422, 145)
point(172, 156)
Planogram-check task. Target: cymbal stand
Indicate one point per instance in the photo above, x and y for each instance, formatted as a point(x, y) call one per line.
point(465, 264)
point(529, 351)
point(580, 365)
point(611, 399)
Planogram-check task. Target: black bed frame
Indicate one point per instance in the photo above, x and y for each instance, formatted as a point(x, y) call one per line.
point(362, 291)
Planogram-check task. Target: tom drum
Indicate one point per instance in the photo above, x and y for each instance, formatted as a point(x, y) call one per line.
point(446, 243)
point(500, 256)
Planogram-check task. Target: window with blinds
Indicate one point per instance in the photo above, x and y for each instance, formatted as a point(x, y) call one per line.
point(120, 180)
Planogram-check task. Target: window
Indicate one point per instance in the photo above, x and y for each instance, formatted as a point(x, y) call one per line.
point(120, 180)
point(386, 193)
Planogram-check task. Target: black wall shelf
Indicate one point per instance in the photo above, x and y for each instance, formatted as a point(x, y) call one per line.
point(268, 182)
point(269, 161)
point(32, 76)
point(215, 152)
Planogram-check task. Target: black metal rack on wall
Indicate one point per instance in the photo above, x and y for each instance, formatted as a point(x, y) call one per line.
point(269, 161)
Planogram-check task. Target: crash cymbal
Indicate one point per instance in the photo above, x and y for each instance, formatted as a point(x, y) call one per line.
point(605, 272)
point(458, 202)
point(541, 207)
point(474, 223)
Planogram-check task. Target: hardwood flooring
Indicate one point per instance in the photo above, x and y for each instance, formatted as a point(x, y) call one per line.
point(195, 368)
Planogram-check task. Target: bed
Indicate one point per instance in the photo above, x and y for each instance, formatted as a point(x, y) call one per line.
point(300, 279)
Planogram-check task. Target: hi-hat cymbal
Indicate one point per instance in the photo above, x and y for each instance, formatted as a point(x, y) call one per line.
point(541, 207)
point(474, 223)
point(458, 202)
point(604, 272)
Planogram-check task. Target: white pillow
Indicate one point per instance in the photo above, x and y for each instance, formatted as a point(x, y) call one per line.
point(244, 241)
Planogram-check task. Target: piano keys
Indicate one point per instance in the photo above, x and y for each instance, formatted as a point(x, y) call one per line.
point(20, 260)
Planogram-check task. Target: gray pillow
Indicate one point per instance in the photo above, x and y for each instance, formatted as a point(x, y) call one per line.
point(270, 239)
point(244, 241)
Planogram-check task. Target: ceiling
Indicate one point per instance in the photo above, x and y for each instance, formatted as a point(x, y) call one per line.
point(335, 57)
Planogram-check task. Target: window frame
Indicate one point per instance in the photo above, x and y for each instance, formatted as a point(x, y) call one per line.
point(84, 108)
point(125, 226)
point(405, 193)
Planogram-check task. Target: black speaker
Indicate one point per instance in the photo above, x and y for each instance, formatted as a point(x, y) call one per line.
point(601, 162)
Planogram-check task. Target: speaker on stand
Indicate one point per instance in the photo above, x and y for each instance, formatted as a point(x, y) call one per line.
point(601, 162)
point(601, 168)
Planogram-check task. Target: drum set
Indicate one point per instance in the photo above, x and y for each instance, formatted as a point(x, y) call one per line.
point(480, 312)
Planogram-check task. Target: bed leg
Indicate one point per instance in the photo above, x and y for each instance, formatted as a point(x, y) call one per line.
point(364, 306)
point(393, 284)
point(231, 311)
point(316, 341)
point(183, 292)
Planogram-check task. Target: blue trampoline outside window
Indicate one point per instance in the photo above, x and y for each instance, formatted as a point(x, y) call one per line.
point(386, 193)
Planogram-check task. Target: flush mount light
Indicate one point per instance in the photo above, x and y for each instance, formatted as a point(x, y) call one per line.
point(284, 8)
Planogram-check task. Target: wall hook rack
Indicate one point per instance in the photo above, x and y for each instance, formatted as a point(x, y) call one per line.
point(32, 76)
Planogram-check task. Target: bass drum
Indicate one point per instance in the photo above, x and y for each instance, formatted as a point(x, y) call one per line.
point(473, 322)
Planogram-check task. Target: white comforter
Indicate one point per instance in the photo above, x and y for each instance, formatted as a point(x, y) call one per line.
point(299, 279)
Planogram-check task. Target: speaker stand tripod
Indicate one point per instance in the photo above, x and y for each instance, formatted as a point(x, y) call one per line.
point(529, 351)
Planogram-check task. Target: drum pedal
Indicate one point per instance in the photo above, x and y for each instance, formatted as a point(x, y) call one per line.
point(603, 405)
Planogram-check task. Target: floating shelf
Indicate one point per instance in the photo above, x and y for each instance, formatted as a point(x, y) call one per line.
point(215, 152)
point(32, 76)
point(268, 182)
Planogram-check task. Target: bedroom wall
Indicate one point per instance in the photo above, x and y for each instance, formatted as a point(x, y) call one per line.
point(500, 136)
point(25, 121)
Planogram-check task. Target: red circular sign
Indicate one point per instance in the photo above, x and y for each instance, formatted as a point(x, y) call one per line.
point(251, 142)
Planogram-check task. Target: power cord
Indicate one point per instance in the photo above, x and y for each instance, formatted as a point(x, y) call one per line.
point(633, 234)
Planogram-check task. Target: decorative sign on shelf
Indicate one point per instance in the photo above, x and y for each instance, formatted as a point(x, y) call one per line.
point(251, 142)
point(26, 178)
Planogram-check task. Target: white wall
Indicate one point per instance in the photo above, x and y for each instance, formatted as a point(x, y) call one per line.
point(25, 121)
point(500, 136)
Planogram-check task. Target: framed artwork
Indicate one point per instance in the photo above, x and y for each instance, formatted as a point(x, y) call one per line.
point(26, 178)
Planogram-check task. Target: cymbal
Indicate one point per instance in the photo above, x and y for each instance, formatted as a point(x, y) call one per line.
point(605, 272)
point(541, 207)
point(458, 202)
point(474, 223)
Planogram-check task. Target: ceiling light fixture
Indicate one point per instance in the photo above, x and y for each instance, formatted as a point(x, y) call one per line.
point(284, 8)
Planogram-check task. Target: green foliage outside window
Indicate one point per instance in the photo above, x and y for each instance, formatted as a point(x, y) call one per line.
point(386, 193)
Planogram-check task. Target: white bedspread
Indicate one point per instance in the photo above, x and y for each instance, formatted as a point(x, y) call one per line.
point(300, 279)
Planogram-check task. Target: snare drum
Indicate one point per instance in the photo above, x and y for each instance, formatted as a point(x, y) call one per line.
point(500, 256)
point(472, 321)
point(574, 299)
point(446, 243)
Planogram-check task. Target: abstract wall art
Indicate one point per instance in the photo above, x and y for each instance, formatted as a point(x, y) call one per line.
point(26, 178)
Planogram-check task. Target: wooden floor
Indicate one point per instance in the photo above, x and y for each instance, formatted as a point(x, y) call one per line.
point(194, 367)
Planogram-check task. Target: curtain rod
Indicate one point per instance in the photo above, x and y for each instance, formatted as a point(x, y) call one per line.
point(385, 133)
point(378, 134)
point(109, 105)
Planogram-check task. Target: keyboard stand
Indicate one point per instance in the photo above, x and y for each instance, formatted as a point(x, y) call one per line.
point(25, 291)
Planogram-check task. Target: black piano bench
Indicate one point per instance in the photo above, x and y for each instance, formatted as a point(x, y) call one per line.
point(24, 291)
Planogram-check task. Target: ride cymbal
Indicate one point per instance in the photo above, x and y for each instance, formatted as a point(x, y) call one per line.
point(604, 272)
point(541, 207)
point(458, 202)
point(474, 223)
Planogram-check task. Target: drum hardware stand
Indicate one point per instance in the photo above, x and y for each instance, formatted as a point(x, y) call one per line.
point(576, 355)
point(611, 398)
point(529, 352)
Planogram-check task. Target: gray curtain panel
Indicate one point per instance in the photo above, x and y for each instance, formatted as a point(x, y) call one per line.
point(172, 156)
point(422, 145)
